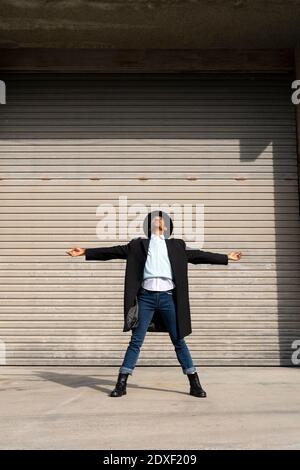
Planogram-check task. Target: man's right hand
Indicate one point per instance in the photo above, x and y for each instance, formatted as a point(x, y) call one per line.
point(76, 251)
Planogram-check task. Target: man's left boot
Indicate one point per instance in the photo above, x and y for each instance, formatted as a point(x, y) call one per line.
point(120, 388)
point(196, 389)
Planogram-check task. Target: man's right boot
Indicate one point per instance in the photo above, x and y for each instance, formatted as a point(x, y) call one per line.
point(120, 388)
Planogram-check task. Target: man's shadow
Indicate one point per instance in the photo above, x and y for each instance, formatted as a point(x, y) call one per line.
point(100, 384)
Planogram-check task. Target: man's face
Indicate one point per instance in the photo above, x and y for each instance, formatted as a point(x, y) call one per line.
point(158, 223)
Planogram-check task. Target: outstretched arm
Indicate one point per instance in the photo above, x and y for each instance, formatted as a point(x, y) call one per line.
point(199, 256)
point(101, 254)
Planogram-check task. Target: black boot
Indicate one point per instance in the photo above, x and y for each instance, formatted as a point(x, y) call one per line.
point(196, 389)
point(120, 388)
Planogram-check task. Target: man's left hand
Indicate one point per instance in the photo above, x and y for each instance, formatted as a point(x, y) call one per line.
point(235, 255)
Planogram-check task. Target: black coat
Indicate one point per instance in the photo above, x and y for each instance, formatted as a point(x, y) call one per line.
point(135, 252)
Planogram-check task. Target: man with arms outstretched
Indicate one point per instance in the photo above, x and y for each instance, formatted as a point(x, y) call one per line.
point(156, 291)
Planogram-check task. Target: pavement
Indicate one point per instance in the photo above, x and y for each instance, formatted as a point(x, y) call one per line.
point(70, 408)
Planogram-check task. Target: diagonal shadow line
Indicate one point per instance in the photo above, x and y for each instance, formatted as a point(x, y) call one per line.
point(77, 381)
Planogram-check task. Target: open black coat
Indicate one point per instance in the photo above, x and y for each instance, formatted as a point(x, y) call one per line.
point(135, 252)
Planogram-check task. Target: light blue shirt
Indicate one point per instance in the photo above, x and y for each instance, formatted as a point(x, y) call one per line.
point(158, 272)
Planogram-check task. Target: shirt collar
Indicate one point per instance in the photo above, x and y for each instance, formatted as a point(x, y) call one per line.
point(162, 237)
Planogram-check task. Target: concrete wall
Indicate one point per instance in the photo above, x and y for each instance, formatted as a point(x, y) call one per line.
point(145, 24)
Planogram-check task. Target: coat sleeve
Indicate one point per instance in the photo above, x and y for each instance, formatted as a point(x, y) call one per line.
point(107, 253)
point(195, 256)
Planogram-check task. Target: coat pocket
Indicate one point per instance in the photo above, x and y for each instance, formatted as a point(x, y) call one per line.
point(132, 317)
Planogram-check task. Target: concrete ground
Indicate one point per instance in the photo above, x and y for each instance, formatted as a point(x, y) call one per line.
point(69, 408)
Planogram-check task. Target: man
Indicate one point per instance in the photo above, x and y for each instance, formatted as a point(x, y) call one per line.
point(156, 291)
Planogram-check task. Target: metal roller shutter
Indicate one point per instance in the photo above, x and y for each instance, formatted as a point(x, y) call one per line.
point(70, 142)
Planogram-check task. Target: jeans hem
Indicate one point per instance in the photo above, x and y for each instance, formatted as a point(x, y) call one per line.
point(190, 370)
point(125, 370)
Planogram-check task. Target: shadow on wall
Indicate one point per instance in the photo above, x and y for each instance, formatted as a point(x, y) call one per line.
point(255, 111)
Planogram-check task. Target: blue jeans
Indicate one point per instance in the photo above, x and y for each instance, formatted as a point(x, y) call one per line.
point(149, 302)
